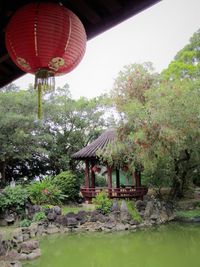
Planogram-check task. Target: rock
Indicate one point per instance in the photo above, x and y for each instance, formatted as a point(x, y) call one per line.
point(34, 254)
point(132, 222)
point(72, 222)
point(13, 255)
point(36, 208)
point(47, 211)
point(28, 246)
point(15, 264)
point(140, 205)
point(123, 207)
point(10, 218)
point(114, 216)
point(2, 247)
point(51, 216)
point(102, 218)
point(148, 210)
point(23, 257)
point(120, 227)
point(154, 217)
point(33, 230)
point(18, 236)
point(115, 206)
point(94, 216)
point(133, 227)
point(61, 220)
point(124, 214)
point(70, 215)
point(53, 230)
point(25, 230)
point(163, 216)
point(10, 264)
point(82, 216)
point(31, 210)
point(57, 210)
point(110, 225)
point(26, 237)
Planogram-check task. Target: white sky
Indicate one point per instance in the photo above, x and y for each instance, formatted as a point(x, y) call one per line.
point(155, 35)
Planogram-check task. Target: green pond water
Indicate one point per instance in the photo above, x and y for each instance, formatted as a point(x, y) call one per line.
point(172, 245)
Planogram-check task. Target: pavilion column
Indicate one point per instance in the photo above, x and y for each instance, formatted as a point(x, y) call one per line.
point(87, 174)
point(92, 175)
point(109, 169)
point(137, 175)
point(117, 179)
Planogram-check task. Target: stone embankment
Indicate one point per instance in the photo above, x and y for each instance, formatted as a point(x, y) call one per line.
point(23, 246)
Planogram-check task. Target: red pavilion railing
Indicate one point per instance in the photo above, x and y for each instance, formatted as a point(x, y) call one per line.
point(125, 192)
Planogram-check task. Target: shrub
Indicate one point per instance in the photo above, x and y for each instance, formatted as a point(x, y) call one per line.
point(100, 181)
point(25, 223)
point(39, 216)
point(68, 184)
point(133, 211)
point(13, 198)
point(45, 192)
point(102, 202)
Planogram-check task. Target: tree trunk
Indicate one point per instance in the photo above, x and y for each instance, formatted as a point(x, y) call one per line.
point(180, 178)
point(3, 174)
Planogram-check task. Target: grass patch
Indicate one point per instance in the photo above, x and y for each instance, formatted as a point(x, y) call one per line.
point(76, 209)
point(133, 211)
point(188, 213)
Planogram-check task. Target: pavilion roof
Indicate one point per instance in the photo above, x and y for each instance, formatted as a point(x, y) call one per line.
point(89, 152)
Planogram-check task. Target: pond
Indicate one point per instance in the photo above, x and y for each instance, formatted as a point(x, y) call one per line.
point(172, 245)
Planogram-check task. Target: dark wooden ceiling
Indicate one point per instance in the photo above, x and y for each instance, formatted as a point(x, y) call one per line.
point(96, 15)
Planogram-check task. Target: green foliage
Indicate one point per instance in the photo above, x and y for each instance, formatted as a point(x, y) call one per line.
point(13, 198)
point(45, 192)
point(132, 82)
point(160, 135)
point(25, 223)
point(20, 134)
point(32, 148)
point(102, 202)
point(68, 184)
point(100, 181)
point(188, 213)
point(133, 211)
point(39, 216)
point(186, 64)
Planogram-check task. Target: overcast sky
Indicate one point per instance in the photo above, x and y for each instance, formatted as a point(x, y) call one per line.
point(155, 35)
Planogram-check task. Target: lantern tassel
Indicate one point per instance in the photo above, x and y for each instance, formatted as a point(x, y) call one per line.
point(39, 101)
point(44, 82)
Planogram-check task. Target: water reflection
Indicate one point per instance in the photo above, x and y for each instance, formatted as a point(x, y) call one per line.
point(165, 246)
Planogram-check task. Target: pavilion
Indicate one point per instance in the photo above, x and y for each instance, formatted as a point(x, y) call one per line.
point(92, 166)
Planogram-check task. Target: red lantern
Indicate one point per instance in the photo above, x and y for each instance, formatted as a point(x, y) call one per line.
point(45, 39)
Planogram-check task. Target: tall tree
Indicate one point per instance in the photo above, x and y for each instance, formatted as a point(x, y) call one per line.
point(186, 64)
point(161, 134)
point(19, 130)
point(72, 124)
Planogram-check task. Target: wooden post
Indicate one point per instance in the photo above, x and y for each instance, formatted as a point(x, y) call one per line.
point(133, 179)
point(117, 179)
point(92, 175)
point(137, 175)
point(87, 175)
point(109, 169)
